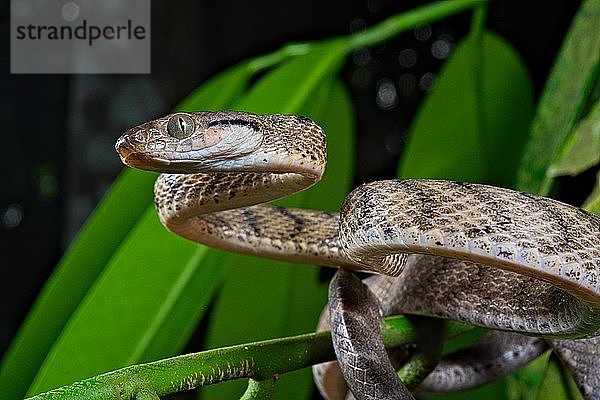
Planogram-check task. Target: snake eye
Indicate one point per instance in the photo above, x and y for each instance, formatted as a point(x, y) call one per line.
point(180, 126)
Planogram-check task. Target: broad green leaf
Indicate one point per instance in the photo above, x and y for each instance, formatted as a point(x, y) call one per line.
point(74, 275)
point(292, 83)
point(473, 124)
point(582, 149)
point(127, 304)
point(525, 383)
point(189, 304)
point(553, 386)
point(566, 92)
point(187, 295)
point(263, 298)
point(557, 383)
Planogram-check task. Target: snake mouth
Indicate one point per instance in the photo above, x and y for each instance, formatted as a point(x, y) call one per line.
point(142, 161)
point(136, 159)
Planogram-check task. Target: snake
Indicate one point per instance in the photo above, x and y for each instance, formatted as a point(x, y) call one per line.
point(526, 266)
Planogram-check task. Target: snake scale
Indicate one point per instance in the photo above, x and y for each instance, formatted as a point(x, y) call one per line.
point(488, 256)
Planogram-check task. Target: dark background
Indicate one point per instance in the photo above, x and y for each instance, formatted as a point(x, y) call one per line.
point(57, 131)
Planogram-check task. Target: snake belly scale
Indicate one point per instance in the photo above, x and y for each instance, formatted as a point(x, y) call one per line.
point(489, 256)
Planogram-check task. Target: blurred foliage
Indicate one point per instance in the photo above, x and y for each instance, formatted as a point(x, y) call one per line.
point(128, 291)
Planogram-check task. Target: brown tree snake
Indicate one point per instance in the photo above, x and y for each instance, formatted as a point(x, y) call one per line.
point(488, 256)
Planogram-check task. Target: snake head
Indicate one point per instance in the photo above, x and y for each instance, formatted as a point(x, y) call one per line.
point(191, 142)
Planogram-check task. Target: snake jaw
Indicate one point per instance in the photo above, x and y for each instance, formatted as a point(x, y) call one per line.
point(127, 147)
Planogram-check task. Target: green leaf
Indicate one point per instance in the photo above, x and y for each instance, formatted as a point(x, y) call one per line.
point(525, 383)
point(186, 295)
point(592, 203)
point(565, 95)
point(472, 126)
point(129, 302)
point(557, 383)
point(291, 84)
point(264, 298)
point(582, 149)
point(74, 275)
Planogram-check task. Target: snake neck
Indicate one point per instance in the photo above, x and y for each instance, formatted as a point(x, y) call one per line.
point(224, 211)
point(179, 197)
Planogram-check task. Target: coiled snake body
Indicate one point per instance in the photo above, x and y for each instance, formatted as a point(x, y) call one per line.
point(489, 256)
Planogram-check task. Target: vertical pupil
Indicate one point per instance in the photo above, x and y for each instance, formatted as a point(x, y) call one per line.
point(181, 124)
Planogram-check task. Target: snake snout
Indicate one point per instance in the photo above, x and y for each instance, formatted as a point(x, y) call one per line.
point(124, 148)
point(129, 153)
point(128, 147)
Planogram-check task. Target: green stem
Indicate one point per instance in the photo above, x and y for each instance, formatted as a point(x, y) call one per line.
point(476, 38)
point(409, 20)
point(376, 34)
point(144, 394)
point(260, 360)
point(478, 20)
point(259, 390)
point(266, 61)
point(429, 343)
